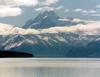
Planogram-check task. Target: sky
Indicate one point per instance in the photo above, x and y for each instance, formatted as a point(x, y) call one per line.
point(18, 12)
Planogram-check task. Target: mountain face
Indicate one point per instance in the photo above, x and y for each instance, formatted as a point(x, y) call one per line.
point(78, 41)
point(54, 45)
point(91, 50)
point(47, 19)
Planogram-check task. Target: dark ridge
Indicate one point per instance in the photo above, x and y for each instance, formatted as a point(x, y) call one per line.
point(13, 54)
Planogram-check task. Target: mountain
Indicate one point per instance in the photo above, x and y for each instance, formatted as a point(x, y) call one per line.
point(91, 50)
point(15, 41)
point(50, 45)
point(47, 19)
point(82, 40)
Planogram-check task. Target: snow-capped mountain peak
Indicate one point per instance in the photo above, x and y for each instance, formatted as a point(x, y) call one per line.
point(48, 14)
point(49, 18)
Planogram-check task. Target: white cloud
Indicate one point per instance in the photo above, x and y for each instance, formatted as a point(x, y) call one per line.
point(78, 20)
point(78, 10)
point(8, 11)
point(67, 10)
point(59, 7)
point(39, 9)
point(11, 7)
point(97, 6)
point(45, 4)
point(44, 8)
point(49, 2)
point(93, 14)
point(92, 11)
point(90, 28)
point(26, 2)
point(6, 29)
point(19, 2)
point(84, 11)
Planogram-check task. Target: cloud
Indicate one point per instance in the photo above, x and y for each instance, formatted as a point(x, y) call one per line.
point(12, 7)
point(84, 11)
point(45, 8)
point(78, 20)
point(49, 2)
point(45, 5)
point(66, 10)
point(26, 2)
point(6, 29)
point(39, 9)
point(6, 11)
point(19, 2)
point(59, 7)
point(89, 11)
point(92, 11)
point(91, 28)
point(93, 14)
point(78, 10)
point(98, 6)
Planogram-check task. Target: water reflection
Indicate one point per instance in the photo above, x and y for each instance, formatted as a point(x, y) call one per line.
point(49, 72)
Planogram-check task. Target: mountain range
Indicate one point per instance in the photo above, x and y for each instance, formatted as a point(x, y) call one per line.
point(54, 45)
point(49, 35)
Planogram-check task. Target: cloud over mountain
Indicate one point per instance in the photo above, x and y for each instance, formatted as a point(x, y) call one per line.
point(91, 28)
point(88, 29)
point(6, 29)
